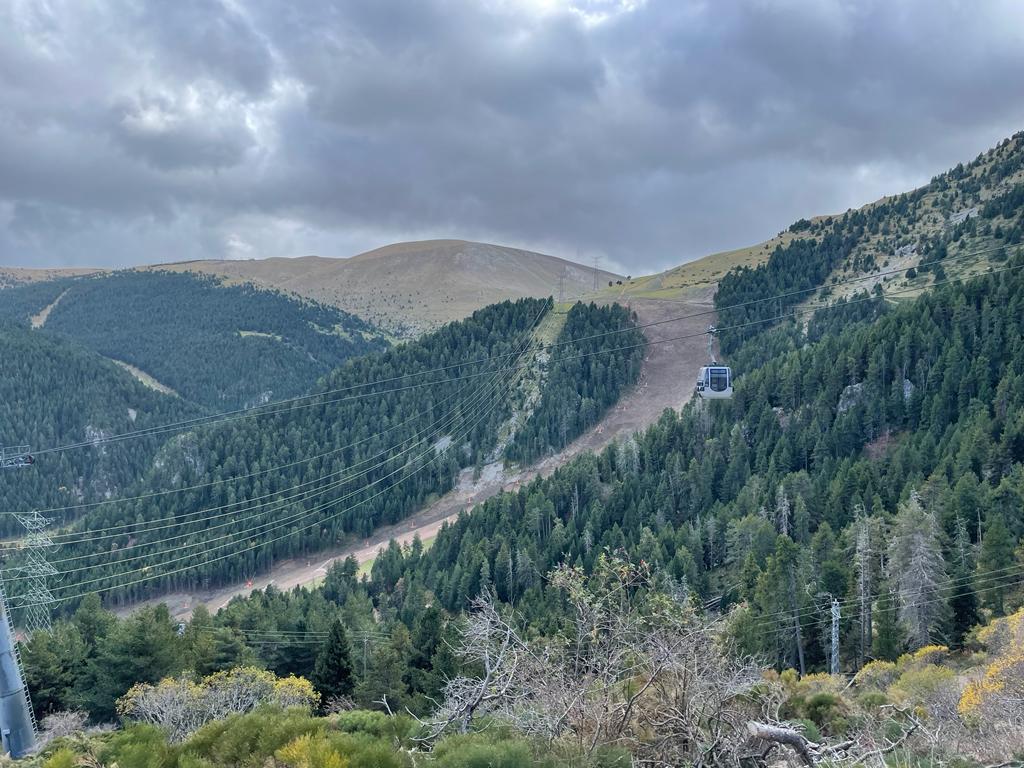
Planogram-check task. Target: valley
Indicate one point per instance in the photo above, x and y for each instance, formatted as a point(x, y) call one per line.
point(845, 532)
point(665, 382)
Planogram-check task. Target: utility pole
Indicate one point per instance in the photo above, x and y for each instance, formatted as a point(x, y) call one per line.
point(834, 665)
point(17, 720)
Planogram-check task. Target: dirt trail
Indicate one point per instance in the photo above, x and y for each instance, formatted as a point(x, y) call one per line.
point(39, 320)
point(666, 381)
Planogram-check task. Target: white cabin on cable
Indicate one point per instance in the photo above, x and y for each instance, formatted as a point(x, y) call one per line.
point(714, 381)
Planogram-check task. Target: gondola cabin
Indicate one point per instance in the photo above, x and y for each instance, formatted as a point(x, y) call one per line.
point(715, 382)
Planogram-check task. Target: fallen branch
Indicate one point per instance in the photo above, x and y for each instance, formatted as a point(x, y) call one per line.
point(788, 736)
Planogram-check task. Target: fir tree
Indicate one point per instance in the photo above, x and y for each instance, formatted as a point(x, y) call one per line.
point(995, 559)
point(332, 672)
point(963, 601)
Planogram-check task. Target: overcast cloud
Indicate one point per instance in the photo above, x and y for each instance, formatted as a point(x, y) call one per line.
point(648, 133)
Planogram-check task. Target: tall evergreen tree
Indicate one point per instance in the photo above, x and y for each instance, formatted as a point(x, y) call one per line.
point(332, 674)
point(888, 642)
point(994, 560)
point(963, 599)
point(917, 571)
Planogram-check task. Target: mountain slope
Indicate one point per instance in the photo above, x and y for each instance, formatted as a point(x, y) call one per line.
point(55, 392)
point(409, 288)
point(219, 346)
point(306, 477)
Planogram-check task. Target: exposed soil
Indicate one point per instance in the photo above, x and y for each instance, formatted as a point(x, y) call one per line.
point(39, 320)
point(666, 381)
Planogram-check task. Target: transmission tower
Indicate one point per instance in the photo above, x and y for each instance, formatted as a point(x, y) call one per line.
point(37, 569)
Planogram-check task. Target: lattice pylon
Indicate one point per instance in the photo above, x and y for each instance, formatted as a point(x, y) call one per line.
point(37, 569)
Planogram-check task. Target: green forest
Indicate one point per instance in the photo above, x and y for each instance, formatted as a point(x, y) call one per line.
point(376, 439)
point(216, 345)
point(54, 392)
point(827, 566)
point(870, 466)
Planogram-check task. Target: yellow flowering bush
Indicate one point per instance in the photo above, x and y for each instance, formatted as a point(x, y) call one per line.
point(876, 674)
point(928, 654)
point(999, 690)
point(183, 705)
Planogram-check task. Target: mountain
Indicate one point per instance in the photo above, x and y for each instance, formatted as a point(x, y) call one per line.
point(215, 345)
point(895, 232)
point(56, 392)
point(857, 505)
point(409, 288)
point(376, 439)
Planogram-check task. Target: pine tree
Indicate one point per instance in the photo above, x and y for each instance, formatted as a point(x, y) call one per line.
point(888, 642)
point(864, 574)
point(995, 559)
point(963, 601)
point(332, 673)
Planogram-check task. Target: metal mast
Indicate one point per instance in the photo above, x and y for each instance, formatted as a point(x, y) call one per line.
point(37, 570)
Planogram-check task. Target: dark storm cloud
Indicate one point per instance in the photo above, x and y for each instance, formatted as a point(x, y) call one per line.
point(646, 132)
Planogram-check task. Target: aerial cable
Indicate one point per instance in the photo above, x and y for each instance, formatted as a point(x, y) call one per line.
point(793, 313)
point(276, 525)
point(482, 395)
point(790, 314)
point(280, 495)
point(278, 504)
point(265, 410)
point(995, 575)
point(73, 536)
point(996, 583)
point(252, 546)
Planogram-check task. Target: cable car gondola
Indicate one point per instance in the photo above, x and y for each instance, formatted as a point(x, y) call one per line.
point(714, 381)
point(16, 456)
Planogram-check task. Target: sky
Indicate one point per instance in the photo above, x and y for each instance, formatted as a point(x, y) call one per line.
point(644, 133)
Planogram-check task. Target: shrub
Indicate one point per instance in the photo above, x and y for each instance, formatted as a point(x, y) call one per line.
point(876, 674)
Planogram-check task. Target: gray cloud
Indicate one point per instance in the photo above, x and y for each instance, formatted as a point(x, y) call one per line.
point(645, 132)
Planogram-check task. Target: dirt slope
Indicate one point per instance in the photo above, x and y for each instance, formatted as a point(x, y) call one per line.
point(408, 288)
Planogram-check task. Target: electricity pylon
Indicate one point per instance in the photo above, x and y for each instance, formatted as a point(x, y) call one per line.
point(37, 569)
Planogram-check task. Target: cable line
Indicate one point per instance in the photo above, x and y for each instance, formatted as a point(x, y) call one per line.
point(257, 411)
point(793, 313)
point(73, 537)
point(275, 525)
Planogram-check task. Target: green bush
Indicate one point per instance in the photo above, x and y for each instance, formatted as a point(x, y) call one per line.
point(139, 746)
point(62, 758)
point(248, 740)
point(484, 751)
point(379, 724)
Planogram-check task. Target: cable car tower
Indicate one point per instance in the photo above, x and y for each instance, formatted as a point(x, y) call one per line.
point(714, 381)
point(17, 719)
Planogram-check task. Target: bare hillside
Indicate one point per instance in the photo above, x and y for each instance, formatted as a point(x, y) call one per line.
point(408, 288)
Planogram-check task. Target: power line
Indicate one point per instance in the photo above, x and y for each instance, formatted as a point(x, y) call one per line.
point(67, 538)
point(793, 313)
point(263, 410)
point(253, 546)
point(276, 505)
